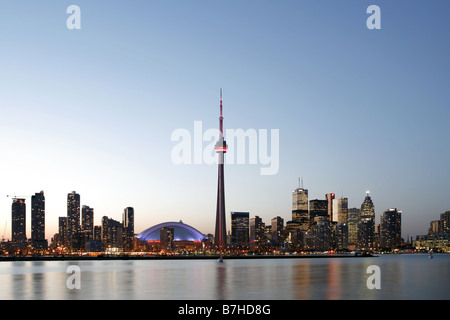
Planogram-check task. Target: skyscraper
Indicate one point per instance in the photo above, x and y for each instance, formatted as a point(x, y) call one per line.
point(368, 208)
point(256, 233)
point(340, 210)
point(18, 222)
point(87, 222)
point(277, 225)
point(390, 229)
point(239, 229)
point(220, 237)
point(318, 209)
point(353, 218)
point(38, 221)
point(300, 212)
point(73, 216)
point(330, 198)
point(128, 228)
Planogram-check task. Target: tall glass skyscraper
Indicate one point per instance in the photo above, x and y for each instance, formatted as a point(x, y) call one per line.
point(239, 229)
point(18, 222)
point(73, 216)
point(368, 208)
point(38, 221)
point(87, 222)
point(390, 229)
point(128, 228)
point(300, 212)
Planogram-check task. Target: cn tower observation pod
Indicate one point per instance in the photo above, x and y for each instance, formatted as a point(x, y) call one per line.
point(182, 232)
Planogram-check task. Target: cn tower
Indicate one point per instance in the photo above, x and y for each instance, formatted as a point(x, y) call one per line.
point(220, 238)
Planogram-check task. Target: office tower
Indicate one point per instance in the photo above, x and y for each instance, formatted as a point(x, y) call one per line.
point(318, 209)
point(322, 235)
point(366, 230)
point(220, 236)
point(300, 212)
point(367, 208)
point(256, 233)
point(166, 236)
point(128, 228)
point(341, 236)
point(38, 221)
point(445, 222)
point(18, 222)
point(390, 229)
point(330, 197)
point(62, 231)
point(276, 230)
point(87, 222)
point(353, 218)
point(340, 210)
point(73, 216)
point(239, 229)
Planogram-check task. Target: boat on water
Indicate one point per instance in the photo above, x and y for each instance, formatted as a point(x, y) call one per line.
point(220, 258)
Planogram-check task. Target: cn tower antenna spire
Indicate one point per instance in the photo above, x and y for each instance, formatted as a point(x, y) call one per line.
point(221, 115)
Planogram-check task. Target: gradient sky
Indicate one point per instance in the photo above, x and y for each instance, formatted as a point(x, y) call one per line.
point(93, 110)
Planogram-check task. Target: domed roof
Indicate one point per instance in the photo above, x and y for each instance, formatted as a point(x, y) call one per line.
point(182, 232)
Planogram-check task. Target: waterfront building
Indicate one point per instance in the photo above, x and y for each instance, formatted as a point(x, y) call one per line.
point(112, 234)
point(353, 218)
point(18, 222)
point(256, 233)
point(322, 235)
point(276, 230)
point(239, 229)
point(366, 234)
point(445, 222)
point(128, 228)
point(341, 236)
point(73, 217)
point(62, 232)
point(87, 222)
point(390, 229)
point(38, 221)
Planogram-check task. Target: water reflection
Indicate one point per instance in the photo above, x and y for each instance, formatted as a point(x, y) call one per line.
point(302, 279)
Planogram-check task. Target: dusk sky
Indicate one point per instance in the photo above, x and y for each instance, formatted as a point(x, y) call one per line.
point(92, 110)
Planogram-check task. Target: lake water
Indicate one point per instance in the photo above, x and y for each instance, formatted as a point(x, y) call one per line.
point(401, 277)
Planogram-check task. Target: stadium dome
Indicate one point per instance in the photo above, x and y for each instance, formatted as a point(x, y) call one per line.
point(182, 232)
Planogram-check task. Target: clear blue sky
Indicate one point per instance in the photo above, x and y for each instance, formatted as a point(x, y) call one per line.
point(93, 110)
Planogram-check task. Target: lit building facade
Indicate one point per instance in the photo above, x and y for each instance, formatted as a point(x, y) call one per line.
point(73, 217)
point(87, 222)
point(300, 212)
point(18, 222)
point(353, 218)
point(38, 221)
point(390, 229)
point(128, 228)
point(239, 229)
point(277, 227)
point(318, 209)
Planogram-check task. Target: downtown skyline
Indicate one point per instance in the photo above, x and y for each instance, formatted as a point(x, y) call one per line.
point(93, 110)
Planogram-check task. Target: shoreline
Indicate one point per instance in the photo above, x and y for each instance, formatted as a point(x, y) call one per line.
point(176, 257)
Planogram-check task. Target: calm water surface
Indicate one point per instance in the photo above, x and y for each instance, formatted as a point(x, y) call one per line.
point(402, 277)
